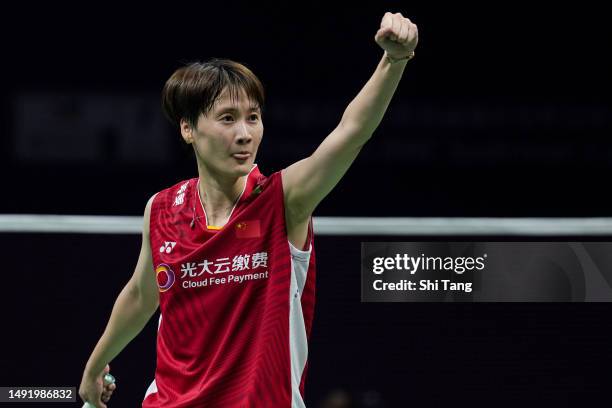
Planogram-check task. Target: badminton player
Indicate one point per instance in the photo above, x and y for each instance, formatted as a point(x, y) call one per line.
point(228, 256)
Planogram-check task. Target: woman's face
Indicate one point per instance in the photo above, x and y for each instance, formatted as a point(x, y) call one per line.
point(227, 138)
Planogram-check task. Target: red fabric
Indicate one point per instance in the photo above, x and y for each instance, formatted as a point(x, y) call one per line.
point(224, 343)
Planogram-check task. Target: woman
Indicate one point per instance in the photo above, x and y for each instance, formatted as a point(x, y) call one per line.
point(232, 250)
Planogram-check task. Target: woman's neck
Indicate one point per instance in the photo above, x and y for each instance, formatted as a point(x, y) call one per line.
point(219, 194)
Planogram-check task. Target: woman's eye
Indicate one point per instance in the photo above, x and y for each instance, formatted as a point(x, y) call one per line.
point(254, 117)
point(226, 118)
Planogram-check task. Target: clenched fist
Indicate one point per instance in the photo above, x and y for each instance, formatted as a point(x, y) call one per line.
point(397, 35)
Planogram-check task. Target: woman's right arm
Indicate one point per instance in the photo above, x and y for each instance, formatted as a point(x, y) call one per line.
point(133, 308)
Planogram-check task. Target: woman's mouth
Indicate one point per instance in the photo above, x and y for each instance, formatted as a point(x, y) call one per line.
point(241, 156)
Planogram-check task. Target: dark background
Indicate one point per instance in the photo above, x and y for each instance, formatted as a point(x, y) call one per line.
point(505, 111)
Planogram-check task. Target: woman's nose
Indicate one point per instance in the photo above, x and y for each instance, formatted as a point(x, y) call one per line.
point(244, 135)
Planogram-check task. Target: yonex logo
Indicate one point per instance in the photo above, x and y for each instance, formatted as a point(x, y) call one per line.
point(167, 247)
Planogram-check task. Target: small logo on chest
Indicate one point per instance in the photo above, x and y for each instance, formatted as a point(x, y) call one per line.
point(248, 229)
point(167, 247)
point(165, 277)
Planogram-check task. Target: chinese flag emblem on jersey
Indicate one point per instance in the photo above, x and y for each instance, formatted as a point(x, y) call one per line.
point(248, 229)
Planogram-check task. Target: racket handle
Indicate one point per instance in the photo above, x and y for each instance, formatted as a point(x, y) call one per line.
point(108, 379)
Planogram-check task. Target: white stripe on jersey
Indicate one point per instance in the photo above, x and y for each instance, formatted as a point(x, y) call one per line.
point(298, 342)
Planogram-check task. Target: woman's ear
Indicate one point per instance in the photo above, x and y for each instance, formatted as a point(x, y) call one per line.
point(186, 131)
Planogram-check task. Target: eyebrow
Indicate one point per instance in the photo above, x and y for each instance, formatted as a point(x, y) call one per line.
point(224, 109)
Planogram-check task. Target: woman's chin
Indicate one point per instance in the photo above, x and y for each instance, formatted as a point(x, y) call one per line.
point(242, 169)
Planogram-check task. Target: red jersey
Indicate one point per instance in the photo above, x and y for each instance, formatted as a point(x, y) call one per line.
point(236, 302)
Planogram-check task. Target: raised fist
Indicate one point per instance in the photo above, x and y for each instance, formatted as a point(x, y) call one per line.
point(397, 35)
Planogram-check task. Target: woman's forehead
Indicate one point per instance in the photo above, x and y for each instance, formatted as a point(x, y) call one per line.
point(228, 100)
